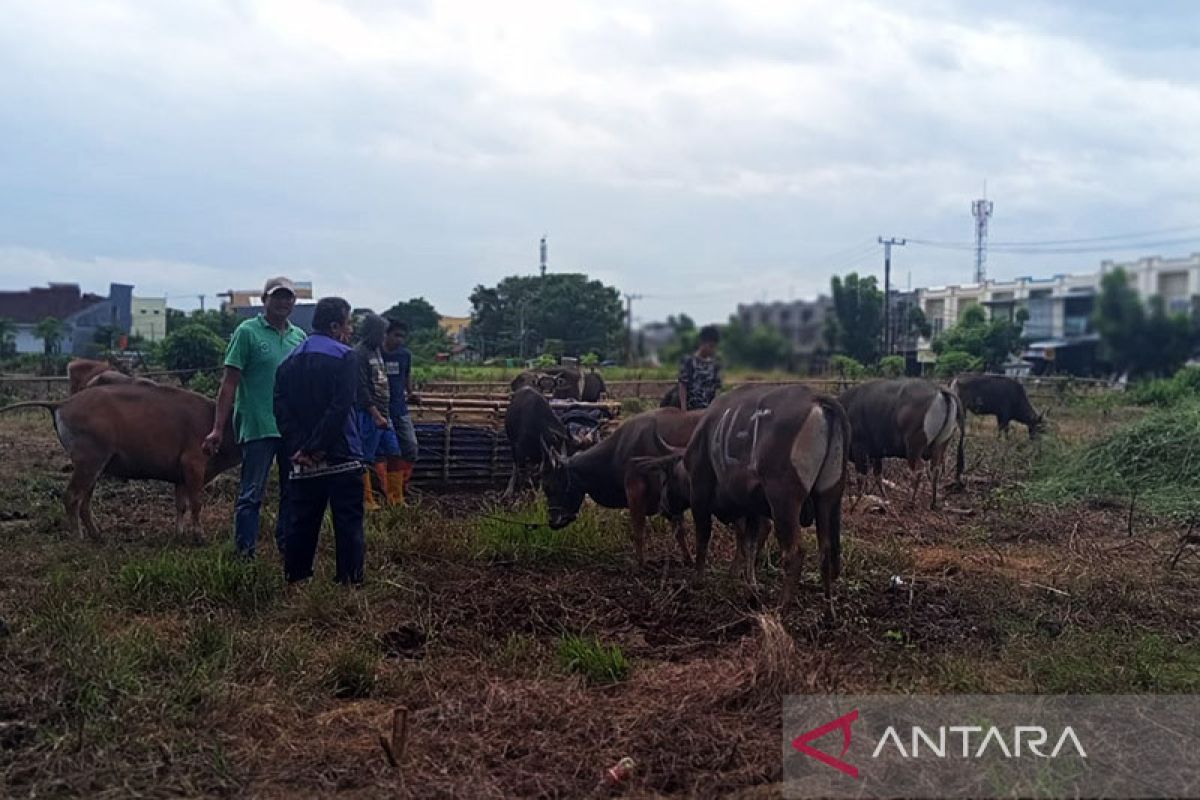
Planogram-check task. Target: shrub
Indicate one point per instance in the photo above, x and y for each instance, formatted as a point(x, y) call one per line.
point(192, 347)
point(352, 672)
point(954, 362)
point(892, 366)
point(586, 656)
point(847, 367)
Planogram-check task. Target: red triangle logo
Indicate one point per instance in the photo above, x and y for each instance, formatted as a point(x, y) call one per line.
point(801, 743)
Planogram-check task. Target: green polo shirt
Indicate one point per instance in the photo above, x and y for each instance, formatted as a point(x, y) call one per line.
point(257, 350)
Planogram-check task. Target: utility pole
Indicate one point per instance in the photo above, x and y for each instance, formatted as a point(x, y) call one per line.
point(542, 255)
point(887, 290)
point(201, 301)
point(629, 298)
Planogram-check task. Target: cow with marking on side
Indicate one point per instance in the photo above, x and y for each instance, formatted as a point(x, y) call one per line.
point(1001, 397)
point(907, 418)
point(611, 473)
point(773, 454)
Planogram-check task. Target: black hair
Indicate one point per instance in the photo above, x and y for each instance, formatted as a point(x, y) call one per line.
point(710, 333)
point(397, 325)
point(329, 312)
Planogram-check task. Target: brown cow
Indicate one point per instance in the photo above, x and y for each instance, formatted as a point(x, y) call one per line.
point(84, 372)
point(610, 474)
point(770, 453)
point(137, 430)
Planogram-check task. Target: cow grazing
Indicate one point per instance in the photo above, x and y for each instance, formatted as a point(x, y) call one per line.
point(611, 475)
point(1001, 397)
point(773, 454)
point(905, 418)
point(137, 430)
point(534, 432)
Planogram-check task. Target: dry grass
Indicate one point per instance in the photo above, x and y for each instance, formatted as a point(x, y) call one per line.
point(144, 665)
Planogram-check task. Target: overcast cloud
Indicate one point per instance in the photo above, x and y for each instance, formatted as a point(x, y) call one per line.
point(699, 153)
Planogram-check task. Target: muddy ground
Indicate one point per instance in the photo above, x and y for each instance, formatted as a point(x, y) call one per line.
point(149, 666)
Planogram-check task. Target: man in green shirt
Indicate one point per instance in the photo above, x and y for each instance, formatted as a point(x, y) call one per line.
point(255, 351)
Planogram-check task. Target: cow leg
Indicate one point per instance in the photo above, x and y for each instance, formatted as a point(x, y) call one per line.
point(702, 517)
point(77, 499)
point(681, 539)
point(639, 497)
point(829, 537)
point(914, 468)
point(877, 471)
point(752, 534)
point(193, 488)
point(512, 483)
point(181, 507)
point(785, 514)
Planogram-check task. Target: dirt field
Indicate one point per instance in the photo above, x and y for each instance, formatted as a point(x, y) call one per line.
point(146, 666)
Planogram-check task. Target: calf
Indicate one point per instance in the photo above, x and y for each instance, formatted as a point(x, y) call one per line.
point(1001, 397)
point(137, 430)
point(612, 475)
point(534, 432)
point(905, 418)
point(773, 454)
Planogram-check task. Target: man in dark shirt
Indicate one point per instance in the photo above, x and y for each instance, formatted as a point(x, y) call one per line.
point(397, 360)
point(314, 407)
point(700, 373)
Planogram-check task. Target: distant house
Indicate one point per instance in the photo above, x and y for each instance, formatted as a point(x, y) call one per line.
point(455, 328)
point(81, 313)
point(235, 299)
point(149, 318)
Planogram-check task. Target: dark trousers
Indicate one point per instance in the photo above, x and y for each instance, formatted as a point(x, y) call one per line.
point(307, 501)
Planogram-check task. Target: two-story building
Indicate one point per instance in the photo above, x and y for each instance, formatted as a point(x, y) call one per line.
point(82, 314)
point(801, 322)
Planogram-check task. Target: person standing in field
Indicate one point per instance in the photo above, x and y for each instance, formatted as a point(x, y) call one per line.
point(315, 391)
point(373, 402)
point(398, 362)
point(700, 373)
point(257, 348)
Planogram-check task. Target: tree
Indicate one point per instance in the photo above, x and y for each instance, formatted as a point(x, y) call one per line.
point(990, 342)
point(757, 348)
point(847, 368)
point(418, 313)
point(891, 366)
point(220, 322)
point(425, 344)
point(192, 347)
point(8, 337)
point(51, 331)
point(1136, 342)
point(953, 362)
point(521, 312)
point(857, 320)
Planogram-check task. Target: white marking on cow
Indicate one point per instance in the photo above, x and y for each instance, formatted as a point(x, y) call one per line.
point(755, 417)
point(808, 448)
point(939, 419)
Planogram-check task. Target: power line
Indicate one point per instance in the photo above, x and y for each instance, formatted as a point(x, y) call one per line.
point(1030, 250)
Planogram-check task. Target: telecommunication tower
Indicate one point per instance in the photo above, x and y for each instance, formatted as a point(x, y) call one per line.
point(542, 255)
point(982, 211)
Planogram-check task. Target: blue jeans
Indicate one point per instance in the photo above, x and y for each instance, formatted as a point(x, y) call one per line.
point(257, 455)
point(343, 495)
point(407, 435)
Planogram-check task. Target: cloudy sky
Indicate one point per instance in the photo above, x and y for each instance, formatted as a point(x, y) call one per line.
point(699, 153)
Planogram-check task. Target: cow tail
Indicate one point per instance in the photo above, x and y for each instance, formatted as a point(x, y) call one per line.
point(960, 458)
point(834, 412)
point(49, 405)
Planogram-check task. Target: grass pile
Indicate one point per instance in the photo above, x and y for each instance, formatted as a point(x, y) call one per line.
point(1156, 459)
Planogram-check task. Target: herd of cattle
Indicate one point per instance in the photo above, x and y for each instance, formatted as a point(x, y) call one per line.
point(757, 455)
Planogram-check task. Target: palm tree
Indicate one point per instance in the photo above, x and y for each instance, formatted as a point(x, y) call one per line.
point(51, 332)
point(8, 332)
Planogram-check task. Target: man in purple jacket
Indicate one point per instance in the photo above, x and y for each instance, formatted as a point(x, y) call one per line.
point(315, 390)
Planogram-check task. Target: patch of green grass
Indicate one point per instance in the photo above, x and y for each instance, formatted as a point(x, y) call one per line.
point(1157, 457)
point(1111, 663)
point(597, 663)
point(352, 672)
point(209, 578)
point(522, 534)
